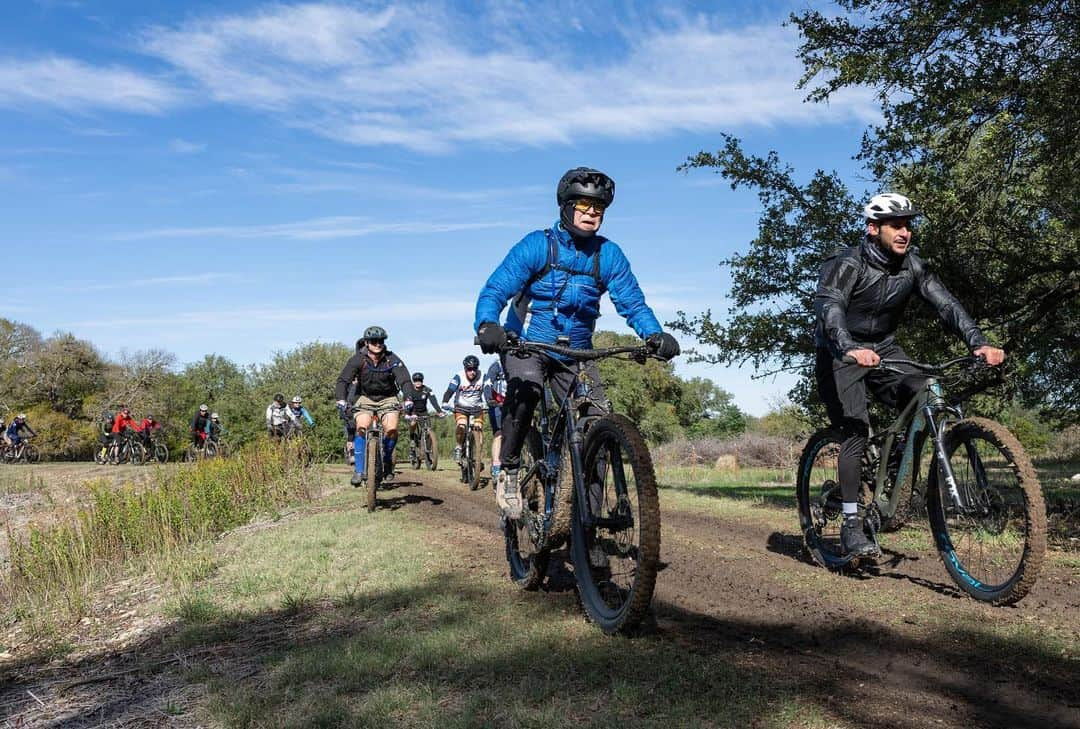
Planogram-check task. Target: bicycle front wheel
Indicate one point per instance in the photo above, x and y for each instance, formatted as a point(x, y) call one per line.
point(31, 454)
point(615, 537)
point(993, 544)
point(161, 453)
point(472, 463)
point(371, 468)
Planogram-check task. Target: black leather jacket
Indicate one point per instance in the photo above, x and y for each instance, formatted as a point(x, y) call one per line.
point(861, 298)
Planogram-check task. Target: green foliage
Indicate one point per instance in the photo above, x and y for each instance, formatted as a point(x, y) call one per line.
point(665, 406)
point(979, 127)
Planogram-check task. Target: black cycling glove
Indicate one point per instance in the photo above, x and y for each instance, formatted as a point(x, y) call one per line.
point(491, 337)
point(663, 344)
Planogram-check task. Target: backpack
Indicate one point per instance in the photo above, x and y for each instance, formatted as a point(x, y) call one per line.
point(106, 422)
point(522, 299)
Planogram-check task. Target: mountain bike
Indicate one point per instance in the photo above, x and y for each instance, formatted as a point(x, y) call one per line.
point(126, 449)
point(23, 452)
point(423, 445)
point(982, 495)
point(156, 450)
point(470, 464)
point(588, 479)
point(206, 449)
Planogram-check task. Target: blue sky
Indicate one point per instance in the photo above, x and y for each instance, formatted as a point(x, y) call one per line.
point(242, 177)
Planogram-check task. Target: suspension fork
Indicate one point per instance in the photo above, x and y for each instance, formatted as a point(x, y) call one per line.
point(944, 468)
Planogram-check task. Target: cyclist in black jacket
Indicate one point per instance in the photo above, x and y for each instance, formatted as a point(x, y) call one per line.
point(381, 374)
point(861, 296)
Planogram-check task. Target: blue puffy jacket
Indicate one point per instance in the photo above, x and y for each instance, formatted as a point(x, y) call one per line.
point(578, 305)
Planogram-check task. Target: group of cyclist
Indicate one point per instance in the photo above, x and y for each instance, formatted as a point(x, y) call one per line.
point(555, 278)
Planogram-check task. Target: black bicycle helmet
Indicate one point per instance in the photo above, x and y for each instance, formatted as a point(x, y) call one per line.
point(279, 398)
point(417, 376)
point(471, 362)
point(585, 182)
point(374, 332)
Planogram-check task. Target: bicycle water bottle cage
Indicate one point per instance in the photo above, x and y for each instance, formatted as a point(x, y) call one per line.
point(562, 340)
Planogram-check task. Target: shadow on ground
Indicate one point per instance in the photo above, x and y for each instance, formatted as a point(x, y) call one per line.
point(444, 653)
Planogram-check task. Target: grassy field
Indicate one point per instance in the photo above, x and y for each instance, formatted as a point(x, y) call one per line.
point(325, 615)
point(389, 626)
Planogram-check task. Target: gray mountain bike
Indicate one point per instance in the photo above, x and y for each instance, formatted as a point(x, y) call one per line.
point(982, 495)
point(588, 479)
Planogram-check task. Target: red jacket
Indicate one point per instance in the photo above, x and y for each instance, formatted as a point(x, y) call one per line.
point(124, 421)
point(148, 424)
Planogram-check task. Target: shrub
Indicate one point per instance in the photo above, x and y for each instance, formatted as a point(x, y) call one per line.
point(184, 506)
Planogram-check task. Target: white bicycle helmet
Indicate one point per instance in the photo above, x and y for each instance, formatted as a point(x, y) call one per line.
point(889, 205)
point(296, 400)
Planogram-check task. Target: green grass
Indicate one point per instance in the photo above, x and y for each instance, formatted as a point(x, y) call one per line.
point(757, 486)
point(60, 564)
point(368, 621)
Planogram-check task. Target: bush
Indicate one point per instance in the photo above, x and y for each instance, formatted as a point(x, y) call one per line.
point(753, 449)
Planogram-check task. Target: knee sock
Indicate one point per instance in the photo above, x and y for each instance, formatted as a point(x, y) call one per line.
point(359, 443)
point(388, 451)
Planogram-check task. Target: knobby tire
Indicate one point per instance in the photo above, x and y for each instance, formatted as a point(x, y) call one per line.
point(371, 468)
point(615, 448)
point(1004, 479)
point(528, 571)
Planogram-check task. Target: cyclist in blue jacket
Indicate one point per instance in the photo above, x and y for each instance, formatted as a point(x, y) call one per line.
point(556, 278)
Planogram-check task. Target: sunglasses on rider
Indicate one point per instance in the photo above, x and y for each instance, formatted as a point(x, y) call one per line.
point(585, 204)
point(380, 342)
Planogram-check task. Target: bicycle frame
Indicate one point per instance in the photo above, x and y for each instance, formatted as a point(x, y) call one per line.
point(567, 425)
point(917, 421)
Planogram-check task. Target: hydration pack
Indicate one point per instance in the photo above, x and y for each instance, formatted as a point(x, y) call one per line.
point(522, 300)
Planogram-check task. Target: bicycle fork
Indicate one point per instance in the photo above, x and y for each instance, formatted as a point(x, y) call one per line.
point(944, 467)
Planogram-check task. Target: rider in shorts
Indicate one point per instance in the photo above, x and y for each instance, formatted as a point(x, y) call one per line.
point(466, 389)
point(381, 375)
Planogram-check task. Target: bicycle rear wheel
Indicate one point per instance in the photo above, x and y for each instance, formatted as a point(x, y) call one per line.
point(136, 453)
point(616, 559)
point(528, 560)
point(371, 468)
point(817, 491)
point(472, 463)
point(994, 547)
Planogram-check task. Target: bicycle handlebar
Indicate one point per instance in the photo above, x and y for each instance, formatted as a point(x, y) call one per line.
point(514, 343)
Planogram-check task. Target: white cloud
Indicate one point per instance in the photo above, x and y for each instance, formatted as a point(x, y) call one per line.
point(76, 86)
point(183, 146)
point(423, 77)
point(197, 279)
point(343, 226)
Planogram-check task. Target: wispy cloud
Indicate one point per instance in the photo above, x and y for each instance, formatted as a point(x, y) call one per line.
point(425, 77)
point(315, 229)
point(197, 279)
point(183, 146)
point(72, 85)
point(428, 311)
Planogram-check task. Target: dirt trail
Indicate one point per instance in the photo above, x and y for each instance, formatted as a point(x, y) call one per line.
point(899, 648)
